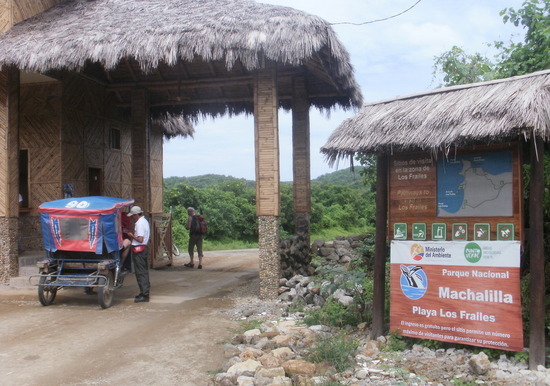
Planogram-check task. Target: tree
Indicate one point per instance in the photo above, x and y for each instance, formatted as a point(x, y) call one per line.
point(533, 54)
point(458, 67)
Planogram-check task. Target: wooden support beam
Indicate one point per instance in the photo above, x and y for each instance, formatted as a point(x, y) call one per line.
point(536, 241)
point(140, 149)
point(9, 172)
point(182, 83)
point(301, 158)
point(9, 142)
point(380, 247)
point(266, 131)
point(266, 137)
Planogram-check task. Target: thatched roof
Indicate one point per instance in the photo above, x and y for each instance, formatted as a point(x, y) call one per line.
point(484, 112)
point(174, 125)
point(194, 56)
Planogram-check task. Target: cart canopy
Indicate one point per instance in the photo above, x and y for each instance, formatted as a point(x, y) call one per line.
point(83, 224)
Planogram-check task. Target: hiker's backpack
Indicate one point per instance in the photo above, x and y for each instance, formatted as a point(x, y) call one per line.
point(198, 224)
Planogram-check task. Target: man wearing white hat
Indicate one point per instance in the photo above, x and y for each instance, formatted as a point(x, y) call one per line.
point(140, 252)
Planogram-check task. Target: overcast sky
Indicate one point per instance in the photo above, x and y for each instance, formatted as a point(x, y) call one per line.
point(390, 58)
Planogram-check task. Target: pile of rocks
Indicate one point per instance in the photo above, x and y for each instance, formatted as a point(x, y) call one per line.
point(296, 254)
point(275, 354)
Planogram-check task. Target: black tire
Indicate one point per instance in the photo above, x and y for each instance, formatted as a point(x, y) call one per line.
point(46, 294)
point(105, 294)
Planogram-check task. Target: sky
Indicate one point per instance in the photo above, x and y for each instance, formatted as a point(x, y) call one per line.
point(390, 58)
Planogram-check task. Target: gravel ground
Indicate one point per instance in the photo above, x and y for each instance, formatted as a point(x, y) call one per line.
point(418, 365)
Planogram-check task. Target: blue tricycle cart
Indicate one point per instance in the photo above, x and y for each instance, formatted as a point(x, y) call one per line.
point(83, 242)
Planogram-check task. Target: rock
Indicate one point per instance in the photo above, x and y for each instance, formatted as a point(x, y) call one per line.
point(479, 364)
point(253, 332)
point(345, 259)
point(271, 372)
point(281, 381)
point(230, 363)
point(224, 379)
point(250, 353)
point(362, 374)
point(283, 353)
point(283, 340)
point(298, 367)
point(370, 349)
point(246, 368)
point(245, 381)
point(230, 350)
point(269, 360)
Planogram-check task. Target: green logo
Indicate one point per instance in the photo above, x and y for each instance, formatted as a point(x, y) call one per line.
point(472, 252)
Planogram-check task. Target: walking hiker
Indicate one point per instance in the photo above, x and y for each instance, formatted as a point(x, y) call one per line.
point(195, 237)
point(140, 252)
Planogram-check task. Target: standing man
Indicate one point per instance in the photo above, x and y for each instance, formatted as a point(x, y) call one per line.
point(140, 252)
point(195, 238)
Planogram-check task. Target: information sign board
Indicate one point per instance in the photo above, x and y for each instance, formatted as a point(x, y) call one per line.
point(457, 291)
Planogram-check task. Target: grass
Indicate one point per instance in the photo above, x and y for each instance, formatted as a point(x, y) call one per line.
point(331, 234)
point(224, 245)
point(245, 325)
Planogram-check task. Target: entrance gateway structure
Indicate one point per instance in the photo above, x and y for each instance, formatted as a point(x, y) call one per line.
point(88, 90)
point(410, 135)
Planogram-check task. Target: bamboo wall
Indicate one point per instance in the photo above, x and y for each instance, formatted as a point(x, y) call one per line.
point(40, 134)
point(85, 140)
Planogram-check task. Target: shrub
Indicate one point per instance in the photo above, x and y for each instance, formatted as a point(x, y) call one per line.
point(331, 314)
point(337, 349)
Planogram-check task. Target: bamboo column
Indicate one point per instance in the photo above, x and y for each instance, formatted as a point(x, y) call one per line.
point(266, 139)
point(9, 173)
point(536, 241)
point(140, 149)
point(301, 158)
point(381, 250)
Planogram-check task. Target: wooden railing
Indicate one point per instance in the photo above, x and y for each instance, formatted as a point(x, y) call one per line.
point(160, 245)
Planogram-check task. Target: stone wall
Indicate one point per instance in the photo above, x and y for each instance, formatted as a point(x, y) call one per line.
point(8, 249)
point(270, 267)
point(30, 232)
point(296, 254)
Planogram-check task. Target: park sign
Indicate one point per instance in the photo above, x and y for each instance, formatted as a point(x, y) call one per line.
point(456, 226)
point(457, 291)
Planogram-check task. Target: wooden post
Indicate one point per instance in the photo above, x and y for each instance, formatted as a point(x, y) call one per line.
point(140, 149)
point(381, 250)
point(9, 172)
point(266, 138)
point(536, 241)
point(301, 158)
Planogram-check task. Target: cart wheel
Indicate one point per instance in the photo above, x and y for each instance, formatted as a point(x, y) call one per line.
point(175, 250)
point(46, 294)
point(105, 294)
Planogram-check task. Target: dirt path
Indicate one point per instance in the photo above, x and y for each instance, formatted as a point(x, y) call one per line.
point(172, 340)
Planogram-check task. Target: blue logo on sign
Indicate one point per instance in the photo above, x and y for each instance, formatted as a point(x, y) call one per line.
point(413, 281)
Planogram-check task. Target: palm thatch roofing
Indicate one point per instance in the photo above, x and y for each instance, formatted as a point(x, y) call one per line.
point(195, 57)
point(485, 112)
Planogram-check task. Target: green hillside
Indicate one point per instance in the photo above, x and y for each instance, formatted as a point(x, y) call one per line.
point(345, 177)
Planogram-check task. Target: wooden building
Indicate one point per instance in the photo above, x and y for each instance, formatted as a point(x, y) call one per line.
point(512, 113)
point(88, 90)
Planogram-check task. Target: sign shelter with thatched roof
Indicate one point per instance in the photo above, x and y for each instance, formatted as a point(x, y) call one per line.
point(512, 113)
point(90, 88)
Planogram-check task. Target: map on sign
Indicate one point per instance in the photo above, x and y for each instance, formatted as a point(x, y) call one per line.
point(475, 185)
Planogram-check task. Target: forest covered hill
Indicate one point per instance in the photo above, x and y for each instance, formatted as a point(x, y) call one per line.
point(346, 177)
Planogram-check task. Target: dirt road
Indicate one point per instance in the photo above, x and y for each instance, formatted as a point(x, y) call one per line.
point(175, 339)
